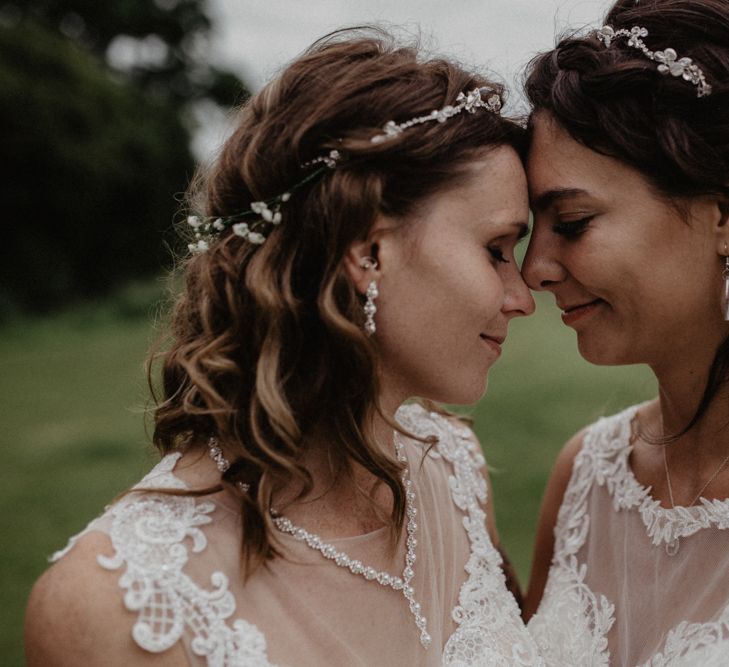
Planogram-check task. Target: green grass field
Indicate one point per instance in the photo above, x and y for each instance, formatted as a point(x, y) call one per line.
point(73, 393)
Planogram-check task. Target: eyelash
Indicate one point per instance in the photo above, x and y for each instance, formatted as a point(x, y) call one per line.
point(498, 254)
point(573, 228)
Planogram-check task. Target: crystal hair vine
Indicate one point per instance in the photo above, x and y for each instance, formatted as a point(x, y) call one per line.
point(668, 60)
point(464, 102)
point(255, 223)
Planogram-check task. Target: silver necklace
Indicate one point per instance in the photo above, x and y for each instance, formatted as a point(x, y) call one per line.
point(341, 559)
point(673, 546)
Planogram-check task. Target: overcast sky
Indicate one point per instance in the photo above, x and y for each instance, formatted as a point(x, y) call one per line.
point(255, 38)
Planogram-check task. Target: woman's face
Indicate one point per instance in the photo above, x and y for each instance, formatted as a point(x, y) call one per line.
point(637, 280)
point(449, 283)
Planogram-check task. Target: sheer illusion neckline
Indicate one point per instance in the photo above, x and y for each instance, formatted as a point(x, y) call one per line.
point(663, 524)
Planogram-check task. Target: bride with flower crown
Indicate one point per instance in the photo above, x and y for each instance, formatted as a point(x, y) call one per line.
point(352, 247)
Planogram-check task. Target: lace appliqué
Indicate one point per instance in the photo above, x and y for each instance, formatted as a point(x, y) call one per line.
point(149, 533)
point(663, 525)
point(572, 623)
point(490, 631)
point(705, 643)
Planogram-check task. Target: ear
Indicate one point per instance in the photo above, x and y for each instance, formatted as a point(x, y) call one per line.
point(362, 259)
point(721, 226)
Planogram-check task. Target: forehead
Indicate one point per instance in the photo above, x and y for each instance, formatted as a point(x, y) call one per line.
point(492, 195)
point(496, 182)
point(557, 162)
point(555, 159)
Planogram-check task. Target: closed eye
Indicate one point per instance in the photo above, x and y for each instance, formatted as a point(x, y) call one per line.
point(572, 228)
point(498, 254)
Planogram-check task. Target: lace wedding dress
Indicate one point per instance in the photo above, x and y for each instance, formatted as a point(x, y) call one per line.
point(615, 595)
point(177, 563)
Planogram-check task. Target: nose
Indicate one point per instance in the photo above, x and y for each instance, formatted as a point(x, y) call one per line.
point(518, 300)
point(541, 269)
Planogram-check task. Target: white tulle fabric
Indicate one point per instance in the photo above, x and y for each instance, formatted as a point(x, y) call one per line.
point(179, 563)
point(614, 596)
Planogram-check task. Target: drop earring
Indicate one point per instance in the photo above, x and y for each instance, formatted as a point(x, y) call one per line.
point(725, 277)
point(372, 293)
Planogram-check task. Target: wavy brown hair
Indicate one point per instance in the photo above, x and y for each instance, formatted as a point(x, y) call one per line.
point(267, 350)
point(616, 102)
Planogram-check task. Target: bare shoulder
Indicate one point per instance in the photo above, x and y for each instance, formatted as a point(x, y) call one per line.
point(76, 615)
point(552, 501)
point(562, 469)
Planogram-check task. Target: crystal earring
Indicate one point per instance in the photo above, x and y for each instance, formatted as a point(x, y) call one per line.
point(370, 308)
point(725, 277)
point(372, 293)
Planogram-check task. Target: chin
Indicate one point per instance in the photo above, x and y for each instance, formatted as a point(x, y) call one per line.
point(603, 353)
point(463, 394)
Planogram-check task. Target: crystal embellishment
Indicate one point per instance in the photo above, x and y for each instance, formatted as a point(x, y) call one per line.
point(469, 102)
point(668, 60)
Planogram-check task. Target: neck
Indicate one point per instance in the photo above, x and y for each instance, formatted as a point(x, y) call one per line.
point(368, 503)
point(681, 387)
point(694, 456)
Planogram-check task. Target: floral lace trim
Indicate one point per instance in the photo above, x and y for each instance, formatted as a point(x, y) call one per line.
point(490, 631)
point(582, 639)
point(612, 470)
point(704, 642)
point(150, 533)
point(572, 623)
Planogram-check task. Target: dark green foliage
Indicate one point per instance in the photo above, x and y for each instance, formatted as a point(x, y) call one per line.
point(94, 158)
point(93, 165)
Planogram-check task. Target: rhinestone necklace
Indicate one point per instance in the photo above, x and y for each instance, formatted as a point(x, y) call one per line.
point(341, 559)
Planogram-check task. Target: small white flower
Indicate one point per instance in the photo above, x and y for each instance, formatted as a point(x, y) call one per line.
point(193, 221)
point(267, 215)
point(241, 229)
point(276, 218)
point(218, 224)
point(198, 247)
point(255, 237)
point(285, 196)
point(258, 206)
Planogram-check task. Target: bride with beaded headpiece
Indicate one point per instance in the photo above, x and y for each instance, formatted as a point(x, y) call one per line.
point(629, 179)
point(352, 247)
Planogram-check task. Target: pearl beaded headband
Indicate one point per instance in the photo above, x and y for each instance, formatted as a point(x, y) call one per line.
point(255, 223)
point(668, 60)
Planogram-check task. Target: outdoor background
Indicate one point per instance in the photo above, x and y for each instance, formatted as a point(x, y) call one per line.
point(105, 109)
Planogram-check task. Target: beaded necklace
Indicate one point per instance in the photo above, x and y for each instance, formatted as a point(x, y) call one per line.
point(341, 559)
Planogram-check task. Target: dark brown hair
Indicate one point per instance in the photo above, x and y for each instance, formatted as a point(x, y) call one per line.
point(268, 348)
point(616, 102)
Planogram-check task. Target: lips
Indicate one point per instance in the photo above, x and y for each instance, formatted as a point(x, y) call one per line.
point(572, 313)
point(494, 342)
point(499, 340)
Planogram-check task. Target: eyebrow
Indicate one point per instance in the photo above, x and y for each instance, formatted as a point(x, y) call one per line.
point(548, 198)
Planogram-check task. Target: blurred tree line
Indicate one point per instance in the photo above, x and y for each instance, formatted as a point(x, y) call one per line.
point(95, 151)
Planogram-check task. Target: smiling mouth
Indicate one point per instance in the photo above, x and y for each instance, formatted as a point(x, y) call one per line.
point(574, 313)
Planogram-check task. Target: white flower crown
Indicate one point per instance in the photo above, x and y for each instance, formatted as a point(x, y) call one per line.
point(255, 224)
